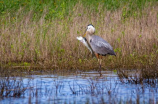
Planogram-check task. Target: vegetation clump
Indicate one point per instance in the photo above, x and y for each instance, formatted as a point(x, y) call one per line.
point(43, 33)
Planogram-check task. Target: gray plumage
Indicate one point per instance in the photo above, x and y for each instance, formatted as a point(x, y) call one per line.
point(100, 46)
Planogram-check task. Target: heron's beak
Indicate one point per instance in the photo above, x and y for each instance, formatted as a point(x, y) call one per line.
point(85, 34)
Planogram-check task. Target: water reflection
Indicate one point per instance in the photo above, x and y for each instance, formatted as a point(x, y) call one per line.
point(85, 87)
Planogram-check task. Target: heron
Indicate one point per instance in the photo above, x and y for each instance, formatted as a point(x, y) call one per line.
point(99, 46)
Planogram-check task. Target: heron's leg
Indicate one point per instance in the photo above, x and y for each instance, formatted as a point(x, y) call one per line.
point(100, 60)
point(97, 55)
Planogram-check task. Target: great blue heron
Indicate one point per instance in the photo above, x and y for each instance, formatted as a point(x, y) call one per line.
point(99, 46)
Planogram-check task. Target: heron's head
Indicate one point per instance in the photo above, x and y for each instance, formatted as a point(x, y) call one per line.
point(90, 30)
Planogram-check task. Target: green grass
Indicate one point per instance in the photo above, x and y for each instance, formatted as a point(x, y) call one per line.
point(44, 32)
point(62, 8)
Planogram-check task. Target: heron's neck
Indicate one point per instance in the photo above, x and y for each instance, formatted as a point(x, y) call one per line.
point(88, 37)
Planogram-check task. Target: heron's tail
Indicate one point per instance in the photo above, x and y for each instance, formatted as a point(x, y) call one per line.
point(112, 53)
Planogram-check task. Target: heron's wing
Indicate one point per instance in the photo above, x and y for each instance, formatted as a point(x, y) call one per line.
point(101, 46)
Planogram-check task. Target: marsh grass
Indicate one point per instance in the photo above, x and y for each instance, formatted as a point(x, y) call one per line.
point(47, 39)
point(11, 87)
point(139, 76)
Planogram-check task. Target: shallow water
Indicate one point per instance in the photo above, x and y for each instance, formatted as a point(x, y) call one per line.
point(86, 87)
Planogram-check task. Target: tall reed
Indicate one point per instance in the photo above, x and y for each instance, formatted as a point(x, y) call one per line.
point(51, 43)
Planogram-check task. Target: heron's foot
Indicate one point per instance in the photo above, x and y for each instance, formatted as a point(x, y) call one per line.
point(100, 70)
point(100, 74)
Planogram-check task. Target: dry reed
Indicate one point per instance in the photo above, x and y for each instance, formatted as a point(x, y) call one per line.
point(52, 44)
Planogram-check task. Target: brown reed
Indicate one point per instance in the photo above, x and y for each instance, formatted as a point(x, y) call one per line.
point(52, 43)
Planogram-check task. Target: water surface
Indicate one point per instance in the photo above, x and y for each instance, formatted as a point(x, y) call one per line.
point(81, 88)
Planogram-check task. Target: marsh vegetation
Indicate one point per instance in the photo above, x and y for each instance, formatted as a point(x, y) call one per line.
point(43, 33)
point(41, 59)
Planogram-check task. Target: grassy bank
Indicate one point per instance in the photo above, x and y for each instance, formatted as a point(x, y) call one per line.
point(43, 33)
